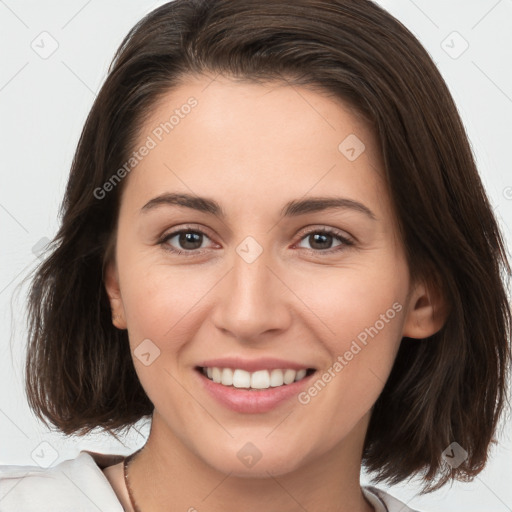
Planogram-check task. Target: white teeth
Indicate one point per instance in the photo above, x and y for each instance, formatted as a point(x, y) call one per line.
point(261, 379)
point(227, 377)
point(300, 375)
point(289, 376)
point(216, 375)
point(276, 378)
point(241, 378)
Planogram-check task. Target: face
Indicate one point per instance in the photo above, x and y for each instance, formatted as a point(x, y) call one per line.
point(259, 283)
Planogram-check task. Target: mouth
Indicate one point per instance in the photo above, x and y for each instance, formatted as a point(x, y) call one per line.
point(260, 380)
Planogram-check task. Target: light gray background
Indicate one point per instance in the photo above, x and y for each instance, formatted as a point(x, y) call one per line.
point(44, 103)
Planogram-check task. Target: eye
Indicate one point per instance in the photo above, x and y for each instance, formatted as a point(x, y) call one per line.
point(321, 240)
point(189, 241)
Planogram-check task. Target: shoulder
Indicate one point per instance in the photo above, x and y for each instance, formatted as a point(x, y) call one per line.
point(383, 502)
point(77, 484)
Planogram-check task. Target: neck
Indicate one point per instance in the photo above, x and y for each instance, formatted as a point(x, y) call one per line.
point(166, 471)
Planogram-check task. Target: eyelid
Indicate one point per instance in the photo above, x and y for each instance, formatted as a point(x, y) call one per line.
point(319, 228)
point(185, 228)
point(346, 241)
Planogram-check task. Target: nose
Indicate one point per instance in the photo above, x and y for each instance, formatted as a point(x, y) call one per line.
point(253, 299)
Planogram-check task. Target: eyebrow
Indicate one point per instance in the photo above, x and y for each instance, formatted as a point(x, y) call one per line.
point(291, 209)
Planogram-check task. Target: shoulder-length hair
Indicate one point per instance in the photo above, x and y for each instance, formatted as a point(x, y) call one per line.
point(449, 387)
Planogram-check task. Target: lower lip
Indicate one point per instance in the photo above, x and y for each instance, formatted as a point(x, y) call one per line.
point(252, 401)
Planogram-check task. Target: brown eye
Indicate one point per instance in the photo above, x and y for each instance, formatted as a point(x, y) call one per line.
point(186, 241)
point(321, 240)
point(189, 240)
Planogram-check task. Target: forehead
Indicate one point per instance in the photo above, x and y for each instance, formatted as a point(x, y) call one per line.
point(240, 140)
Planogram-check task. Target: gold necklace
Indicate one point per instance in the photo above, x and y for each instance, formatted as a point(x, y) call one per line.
point(125, 470)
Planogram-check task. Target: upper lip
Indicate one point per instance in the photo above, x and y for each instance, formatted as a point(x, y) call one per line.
point(253, 365)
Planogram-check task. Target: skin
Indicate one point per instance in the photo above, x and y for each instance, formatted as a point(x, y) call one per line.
point(253, 148)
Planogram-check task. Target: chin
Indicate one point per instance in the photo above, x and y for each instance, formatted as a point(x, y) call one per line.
point(250, 462)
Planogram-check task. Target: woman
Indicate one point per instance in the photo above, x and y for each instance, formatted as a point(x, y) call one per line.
point(275, 243)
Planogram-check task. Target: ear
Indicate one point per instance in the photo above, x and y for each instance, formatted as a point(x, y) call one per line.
point(427, 311)
point(111, 280)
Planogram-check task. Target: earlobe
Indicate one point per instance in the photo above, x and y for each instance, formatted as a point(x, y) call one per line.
point(427, 312)
point(112, 288)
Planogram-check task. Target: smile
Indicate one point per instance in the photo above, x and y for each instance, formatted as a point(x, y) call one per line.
point(261, 379)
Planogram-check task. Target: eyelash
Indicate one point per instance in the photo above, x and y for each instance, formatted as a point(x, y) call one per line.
point(345, 242)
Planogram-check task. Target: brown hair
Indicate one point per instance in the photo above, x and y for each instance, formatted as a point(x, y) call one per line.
point(450, 387)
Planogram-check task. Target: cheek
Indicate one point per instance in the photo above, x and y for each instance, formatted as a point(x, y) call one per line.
point(349, 301)
point(157, 297)
point(361, 359)
point(362, 314)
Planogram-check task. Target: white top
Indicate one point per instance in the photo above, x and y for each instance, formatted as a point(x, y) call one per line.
point(80, 485)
